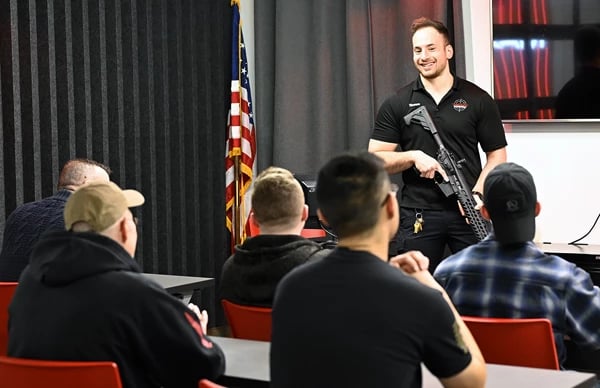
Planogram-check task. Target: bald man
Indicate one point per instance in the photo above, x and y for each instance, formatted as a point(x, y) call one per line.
point(26, 223)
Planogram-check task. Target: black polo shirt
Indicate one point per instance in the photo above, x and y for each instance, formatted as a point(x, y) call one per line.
point(466, 116)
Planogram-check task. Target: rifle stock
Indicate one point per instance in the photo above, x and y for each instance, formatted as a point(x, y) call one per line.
point(456, 184)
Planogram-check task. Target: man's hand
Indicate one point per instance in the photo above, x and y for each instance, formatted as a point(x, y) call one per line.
point(478, 205)
point(410, 262)
point(202, 316)
point(415, 264)
point(424, 277)
point(427, 166)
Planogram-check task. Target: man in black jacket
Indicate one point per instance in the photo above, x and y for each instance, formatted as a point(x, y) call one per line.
point(252, 273)
point(82, 297)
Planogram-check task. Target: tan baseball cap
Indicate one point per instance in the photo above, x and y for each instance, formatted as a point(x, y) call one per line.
point(100, 204)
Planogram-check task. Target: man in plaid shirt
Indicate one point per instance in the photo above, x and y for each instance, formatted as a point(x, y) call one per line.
point(507, 276)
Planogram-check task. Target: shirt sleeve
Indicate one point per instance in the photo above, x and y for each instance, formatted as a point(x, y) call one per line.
point(387, 127)
point(583, 310)
point(490, 132)
point(445, 352)
point(172, 342)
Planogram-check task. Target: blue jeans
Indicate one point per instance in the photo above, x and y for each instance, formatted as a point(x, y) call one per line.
point(441, 228)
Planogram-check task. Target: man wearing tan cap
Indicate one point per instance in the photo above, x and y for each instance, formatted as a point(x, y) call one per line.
point(82, 297)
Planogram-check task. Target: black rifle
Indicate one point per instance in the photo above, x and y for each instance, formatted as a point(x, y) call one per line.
point(456, 184)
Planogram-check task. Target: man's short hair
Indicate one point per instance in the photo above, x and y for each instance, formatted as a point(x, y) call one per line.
point(423, 22)
point(350, 191)
point(510, 198)
point(277, 198)
point(74, 172)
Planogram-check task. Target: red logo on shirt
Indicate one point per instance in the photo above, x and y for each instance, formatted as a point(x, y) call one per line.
point(460, 105)
point(206, 343)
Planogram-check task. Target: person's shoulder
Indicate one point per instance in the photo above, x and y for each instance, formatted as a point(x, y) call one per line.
point(401, 94)
point(454, 261)
point(470, 87)
point(301, 272)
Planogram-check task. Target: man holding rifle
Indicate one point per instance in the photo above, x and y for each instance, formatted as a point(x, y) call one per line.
point(465, 116)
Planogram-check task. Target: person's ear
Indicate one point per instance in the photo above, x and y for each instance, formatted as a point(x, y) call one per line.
point(304, 215)
point(538, 208)
point(484, 213)
point(123, 232)
point(389, 205)
point(449, 51)
point(252, 219)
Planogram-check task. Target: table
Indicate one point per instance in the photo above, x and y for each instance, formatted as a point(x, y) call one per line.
point(247, 364)
point(181, 286)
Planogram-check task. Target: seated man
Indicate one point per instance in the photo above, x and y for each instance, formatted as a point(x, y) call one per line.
point(26, 223)
point(351, 319)
point(251, 274)
point(508, 276)
point(82, 297)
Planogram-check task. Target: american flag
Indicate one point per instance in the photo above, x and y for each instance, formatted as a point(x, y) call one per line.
point(241, 139)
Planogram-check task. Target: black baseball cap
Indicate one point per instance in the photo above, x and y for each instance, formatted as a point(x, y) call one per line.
point(510, 198)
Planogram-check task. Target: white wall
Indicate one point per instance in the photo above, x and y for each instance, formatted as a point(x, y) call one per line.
point(563, 159)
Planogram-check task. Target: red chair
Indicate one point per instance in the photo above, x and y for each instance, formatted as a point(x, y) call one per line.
point(204, 383)
point(26, 373)
point(248, 322)
point(254, 230)
point(7, 290)
point(313, 233)
point(521, 342)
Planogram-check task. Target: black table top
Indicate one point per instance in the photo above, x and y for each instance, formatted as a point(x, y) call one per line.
point(176, 284)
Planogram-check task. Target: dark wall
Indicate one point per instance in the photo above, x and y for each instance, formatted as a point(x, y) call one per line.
point(140, 85)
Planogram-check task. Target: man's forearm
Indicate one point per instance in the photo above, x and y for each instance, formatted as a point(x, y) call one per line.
point(494, 158)
point(396, 162)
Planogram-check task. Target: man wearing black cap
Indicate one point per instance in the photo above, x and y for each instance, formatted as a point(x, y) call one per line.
point(507, 276)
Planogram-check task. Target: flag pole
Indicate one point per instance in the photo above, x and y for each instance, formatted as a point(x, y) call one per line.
point(237, 235)
point(237, 219)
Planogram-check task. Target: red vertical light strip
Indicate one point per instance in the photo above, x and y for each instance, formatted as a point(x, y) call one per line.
point(498, 15)
point(547, 70)
point(523, 74)
point(519, 12)
point(506, 75)
point(544, 7)
point(499, 92)
point(539, 70)
point(515, 73)
point(547, 51)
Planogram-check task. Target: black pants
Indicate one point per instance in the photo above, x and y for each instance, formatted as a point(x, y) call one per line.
point(441, 229)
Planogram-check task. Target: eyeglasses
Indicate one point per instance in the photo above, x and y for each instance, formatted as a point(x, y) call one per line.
point(393, 190)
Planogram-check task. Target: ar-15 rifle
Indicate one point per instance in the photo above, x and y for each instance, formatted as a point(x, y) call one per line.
point(456, 184)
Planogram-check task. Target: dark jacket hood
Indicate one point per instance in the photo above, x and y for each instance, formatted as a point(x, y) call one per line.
point(265, 248)
point(60, 258)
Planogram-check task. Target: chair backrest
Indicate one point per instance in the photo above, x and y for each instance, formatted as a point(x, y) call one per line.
point(521, 342)
point(26, 373)
point(205, 383)
point(7, 290)
point(254, 230)
point(248, 322)
point(313, 233)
